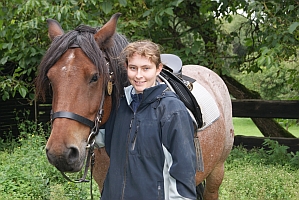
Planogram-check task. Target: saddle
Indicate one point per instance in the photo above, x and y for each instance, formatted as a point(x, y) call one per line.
point(171, 74)
point(181, 85)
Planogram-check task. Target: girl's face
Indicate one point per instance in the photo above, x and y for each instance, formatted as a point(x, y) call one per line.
point(142, 72)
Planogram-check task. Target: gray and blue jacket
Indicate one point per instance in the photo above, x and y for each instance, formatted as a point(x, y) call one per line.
point(151, 150)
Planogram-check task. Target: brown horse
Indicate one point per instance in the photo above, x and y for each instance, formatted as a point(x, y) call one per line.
point(80, 67)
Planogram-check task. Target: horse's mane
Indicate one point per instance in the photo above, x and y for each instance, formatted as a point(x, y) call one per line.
point(84, 37)
point(120, 73)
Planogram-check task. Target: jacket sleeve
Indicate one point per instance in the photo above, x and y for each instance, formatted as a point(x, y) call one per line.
point(108, 126)
point(177, 138)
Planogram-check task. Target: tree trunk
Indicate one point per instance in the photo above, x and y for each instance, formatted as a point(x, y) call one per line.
point(268, 127)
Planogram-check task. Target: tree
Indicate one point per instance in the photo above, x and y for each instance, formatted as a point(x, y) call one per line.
point(266, 36)
point(23, 36)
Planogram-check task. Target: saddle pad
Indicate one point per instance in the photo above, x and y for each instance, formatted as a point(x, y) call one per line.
point(208, 106)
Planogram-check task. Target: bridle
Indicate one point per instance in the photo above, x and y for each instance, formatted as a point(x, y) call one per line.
point(94, 127)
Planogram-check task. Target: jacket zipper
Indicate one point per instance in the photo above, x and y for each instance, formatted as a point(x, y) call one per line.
point(127, 157)
point(134, 138)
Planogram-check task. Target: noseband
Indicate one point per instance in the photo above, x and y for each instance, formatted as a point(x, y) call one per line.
point(93, 125)
point(73, 116)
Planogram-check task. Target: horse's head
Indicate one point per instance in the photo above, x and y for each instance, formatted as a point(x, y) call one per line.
point(78, 66)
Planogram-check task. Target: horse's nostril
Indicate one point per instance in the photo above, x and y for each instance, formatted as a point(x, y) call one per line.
point(73, 154)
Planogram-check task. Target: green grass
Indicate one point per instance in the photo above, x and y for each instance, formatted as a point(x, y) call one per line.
point(260, 175)
point(245, 126)
point(25, 172)
point(266, 175)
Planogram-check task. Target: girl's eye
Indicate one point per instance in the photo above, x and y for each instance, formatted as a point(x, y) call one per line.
point(132, 68)
point(94, 78)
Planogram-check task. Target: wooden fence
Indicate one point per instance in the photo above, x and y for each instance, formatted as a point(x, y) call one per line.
point(252, 108)
point(13, 111)
point(246, 108)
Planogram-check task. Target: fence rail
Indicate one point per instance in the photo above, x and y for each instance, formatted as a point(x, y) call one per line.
point(248, 108)
point(253, 108)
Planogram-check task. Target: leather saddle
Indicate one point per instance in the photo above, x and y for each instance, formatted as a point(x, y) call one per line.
point(171, 74)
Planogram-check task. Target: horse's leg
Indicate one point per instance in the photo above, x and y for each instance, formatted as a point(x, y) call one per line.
point(213, 182)
point(100, 167)
point(214, 152)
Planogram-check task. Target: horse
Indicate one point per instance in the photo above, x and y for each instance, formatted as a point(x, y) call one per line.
point(81, 69)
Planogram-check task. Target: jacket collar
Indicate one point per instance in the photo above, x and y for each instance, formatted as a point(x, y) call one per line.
point(149, 94)
point(128, 90)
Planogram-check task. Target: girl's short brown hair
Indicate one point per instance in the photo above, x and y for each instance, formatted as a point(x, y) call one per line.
point(144, 48)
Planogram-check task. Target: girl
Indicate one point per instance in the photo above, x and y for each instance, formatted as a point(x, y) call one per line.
point(149, 136)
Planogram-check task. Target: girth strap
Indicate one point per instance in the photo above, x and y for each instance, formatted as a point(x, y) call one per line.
point(73, 116)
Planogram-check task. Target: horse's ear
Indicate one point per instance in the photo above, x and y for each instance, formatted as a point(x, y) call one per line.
point(54, 29)
point(104, 36)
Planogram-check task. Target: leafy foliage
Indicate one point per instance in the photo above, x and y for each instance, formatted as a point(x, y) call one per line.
point(23, 35)
point(266, 36)
point(270, 83)
point(272, 153)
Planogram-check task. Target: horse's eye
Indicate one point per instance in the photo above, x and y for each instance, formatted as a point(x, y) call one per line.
point(94, 78)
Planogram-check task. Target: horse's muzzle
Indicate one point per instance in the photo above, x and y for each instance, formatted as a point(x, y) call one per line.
point(68, 161)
